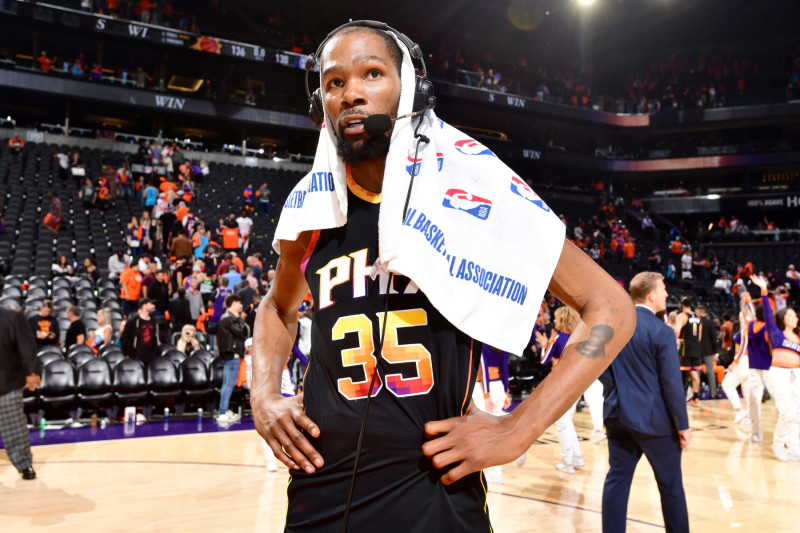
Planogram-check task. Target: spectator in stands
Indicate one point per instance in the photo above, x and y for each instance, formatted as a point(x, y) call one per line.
point(233, 276)
point(187, 343)
point(141, 336)
point(246, 292)
point(686, 265)
point(134, 238)
point(64, 160)
point(231, 332)
point(248, 195)
point(150, 197)
point(130, 281)
point(143, 10)
point(15, 147)
point(117, 263)
point(180, 312)
point(123, 179)
point(53, 219)
point(103, 194)
point(181, 245)
point(199, 242)
point(17, 364)
point(78, 66)
point(76, 333)
point(103, 333)
point(88, 270)
point(62, 267)
point(723, 288)
point(45, 63)
point(254, 262)
point(45, 327)
point(194, 298)
point(263, 198)
point(96, 74)
point(230, 237)
point(245, 224)
point(87, 194)
point(159, 291)
point(793, 279)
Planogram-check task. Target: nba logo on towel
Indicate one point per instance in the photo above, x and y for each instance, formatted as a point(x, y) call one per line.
point(521, 188)
point(472, 147)
point(411, 164)
point(464, 201)
point(440, 160)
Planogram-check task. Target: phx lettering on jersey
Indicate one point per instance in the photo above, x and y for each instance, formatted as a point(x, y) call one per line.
point(318, 182)
point(467, 270)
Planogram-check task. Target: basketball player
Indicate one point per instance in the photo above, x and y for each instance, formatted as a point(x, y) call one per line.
point(689, 331)
point(422, 448)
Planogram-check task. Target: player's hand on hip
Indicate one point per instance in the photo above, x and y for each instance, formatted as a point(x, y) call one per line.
point(470, 443)
point(281, 422)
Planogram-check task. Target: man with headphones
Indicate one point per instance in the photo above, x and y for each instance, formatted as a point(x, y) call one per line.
point(378, 340)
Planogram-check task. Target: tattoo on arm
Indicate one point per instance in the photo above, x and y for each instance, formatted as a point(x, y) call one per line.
point(595, 345)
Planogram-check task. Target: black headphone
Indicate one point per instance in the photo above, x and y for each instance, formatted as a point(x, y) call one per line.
point(423, 89)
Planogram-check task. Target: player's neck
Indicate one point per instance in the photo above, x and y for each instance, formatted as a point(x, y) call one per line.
point(369, 174)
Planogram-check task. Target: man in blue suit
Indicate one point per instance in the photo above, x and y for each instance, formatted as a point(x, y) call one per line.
point(645, 411)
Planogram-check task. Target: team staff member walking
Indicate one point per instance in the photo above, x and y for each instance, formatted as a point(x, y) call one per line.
point(17, 362)
point(645, 412)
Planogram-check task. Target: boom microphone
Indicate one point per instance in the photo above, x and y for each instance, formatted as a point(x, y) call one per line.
point(380, 123)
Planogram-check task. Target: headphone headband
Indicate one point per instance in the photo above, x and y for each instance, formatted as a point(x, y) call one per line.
point(423, 89)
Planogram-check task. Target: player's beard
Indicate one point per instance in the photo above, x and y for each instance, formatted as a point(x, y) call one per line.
point(360, 150)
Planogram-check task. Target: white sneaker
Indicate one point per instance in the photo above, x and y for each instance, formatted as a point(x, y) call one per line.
point(494, 476)
point(228, 416)
point(794, 454)
point(567, 469)
point(578, 462)
point(521, 459)
point(742, 417)
point(781, 452)
point(597, 436)
point(756, 438)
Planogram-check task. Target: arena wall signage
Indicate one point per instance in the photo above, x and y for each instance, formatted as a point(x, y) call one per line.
point(157, 34)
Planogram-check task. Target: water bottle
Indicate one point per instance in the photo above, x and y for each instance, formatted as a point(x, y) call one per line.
point(94, 420)
point(200, 414)
point(42, 423)
point(166, 414)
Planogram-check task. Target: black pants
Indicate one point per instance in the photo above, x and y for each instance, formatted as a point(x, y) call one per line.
point(625, 448)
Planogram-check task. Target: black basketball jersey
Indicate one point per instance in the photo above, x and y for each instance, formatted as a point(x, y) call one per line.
point(691, 334)
point(426, 372)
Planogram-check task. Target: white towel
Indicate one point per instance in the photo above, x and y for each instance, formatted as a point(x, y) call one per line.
point(477, 241)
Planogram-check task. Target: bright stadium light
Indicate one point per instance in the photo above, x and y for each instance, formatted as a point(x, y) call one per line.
point(586, 3)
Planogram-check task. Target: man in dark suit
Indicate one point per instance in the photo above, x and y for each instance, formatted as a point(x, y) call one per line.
point(645, 411)
point(17, 362)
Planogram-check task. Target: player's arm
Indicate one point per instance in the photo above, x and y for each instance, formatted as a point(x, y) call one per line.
point(608, 319)
point(282, 421)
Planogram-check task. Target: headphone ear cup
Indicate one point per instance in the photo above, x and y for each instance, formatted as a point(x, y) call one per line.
point(315, 110)
point(423, 94)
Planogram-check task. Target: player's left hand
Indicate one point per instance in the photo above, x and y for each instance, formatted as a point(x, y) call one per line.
point(472, 442)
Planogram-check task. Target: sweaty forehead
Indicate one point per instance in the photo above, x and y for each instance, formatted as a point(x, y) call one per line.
point(353, 44)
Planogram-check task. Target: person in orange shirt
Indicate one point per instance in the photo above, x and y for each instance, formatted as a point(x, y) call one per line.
point(230, 239)
point(236, 260)
point(130, 281)
point(45, 63)
point(166, 186)
point(15, 146)
point(181, 212)
point(629, 251)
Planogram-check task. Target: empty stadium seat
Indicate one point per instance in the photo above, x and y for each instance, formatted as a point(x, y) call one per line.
point(58, 385)
point(129, 383)
point(94, 384)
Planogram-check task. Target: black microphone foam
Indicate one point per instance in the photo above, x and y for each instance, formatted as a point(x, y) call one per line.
point(378, 124)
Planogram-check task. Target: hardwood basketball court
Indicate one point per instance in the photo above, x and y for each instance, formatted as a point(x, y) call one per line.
point(218, 482)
